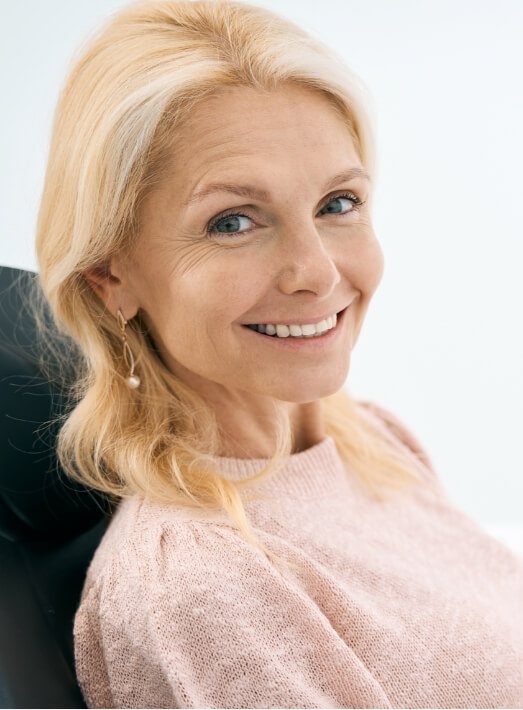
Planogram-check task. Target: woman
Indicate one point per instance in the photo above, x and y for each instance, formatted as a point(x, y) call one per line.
point(205, 236)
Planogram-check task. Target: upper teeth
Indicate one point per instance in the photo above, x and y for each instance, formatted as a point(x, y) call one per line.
point(283, 331)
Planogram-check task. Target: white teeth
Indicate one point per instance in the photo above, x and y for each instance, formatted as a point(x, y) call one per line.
point(297, 331)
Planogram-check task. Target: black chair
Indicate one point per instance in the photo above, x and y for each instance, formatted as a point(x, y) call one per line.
point(49, 526)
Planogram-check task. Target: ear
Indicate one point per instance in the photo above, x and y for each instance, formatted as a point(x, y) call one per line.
point(112, 288)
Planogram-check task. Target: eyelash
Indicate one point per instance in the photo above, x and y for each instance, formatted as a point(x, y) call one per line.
point(356, 201)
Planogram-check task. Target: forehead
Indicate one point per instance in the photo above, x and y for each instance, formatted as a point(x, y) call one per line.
point(239, 113)
point(242, 127)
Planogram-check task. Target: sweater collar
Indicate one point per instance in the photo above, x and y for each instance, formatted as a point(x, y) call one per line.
point(318, 470)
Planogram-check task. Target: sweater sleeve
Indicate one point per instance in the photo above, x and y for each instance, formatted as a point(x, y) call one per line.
point(205, 620)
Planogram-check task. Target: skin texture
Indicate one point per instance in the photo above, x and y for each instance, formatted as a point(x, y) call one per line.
point(304, 252)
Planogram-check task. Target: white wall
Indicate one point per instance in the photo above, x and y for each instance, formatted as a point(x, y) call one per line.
point(442, 345)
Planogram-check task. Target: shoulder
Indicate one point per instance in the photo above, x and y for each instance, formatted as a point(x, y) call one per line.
point(150, 547)
point(399, 429)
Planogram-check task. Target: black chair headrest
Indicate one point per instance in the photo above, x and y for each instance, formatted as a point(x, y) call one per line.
point(37, 500)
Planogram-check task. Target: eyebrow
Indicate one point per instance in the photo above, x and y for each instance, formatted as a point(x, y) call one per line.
point(263, 195)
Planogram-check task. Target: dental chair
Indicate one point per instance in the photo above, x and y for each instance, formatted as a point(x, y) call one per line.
point(49, 526)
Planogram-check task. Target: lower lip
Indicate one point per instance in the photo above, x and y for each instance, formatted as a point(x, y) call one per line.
point(318, 343)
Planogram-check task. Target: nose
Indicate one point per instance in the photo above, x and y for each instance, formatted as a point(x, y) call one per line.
point(304, 262)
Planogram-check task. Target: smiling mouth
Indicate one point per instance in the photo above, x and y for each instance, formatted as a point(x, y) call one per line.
point(316, 336)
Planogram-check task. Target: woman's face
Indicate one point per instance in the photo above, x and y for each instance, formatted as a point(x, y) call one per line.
point(210, 260)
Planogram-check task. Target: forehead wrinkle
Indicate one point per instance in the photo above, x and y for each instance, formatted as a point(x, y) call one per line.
point(211, 141)
point(202, 170)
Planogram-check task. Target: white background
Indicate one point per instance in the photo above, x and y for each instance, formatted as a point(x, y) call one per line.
point(442, 344)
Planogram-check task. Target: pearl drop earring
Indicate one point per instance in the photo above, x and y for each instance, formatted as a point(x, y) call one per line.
point(133, 380)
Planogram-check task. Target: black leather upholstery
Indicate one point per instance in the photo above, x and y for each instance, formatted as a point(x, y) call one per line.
point(49, 526)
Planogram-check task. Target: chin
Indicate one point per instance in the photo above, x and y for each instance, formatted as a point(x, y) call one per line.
point(302, 392)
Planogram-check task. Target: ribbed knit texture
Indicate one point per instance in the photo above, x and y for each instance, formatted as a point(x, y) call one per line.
point(406, 603)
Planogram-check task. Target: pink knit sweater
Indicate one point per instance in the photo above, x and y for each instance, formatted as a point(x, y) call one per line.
point(402, 603)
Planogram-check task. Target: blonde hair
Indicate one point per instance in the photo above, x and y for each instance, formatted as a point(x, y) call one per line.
point(115, 124)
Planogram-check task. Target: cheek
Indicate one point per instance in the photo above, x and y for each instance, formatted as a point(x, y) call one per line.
point(223, 289)
point(366, 265)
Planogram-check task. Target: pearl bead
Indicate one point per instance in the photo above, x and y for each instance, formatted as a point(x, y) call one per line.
point(133, 381)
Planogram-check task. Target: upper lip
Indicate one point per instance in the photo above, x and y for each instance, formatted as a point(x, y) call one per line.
point(298, 321)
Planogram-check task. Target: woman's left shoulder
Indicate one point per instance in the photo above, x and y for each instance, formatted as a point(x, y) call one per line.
point(400, 430)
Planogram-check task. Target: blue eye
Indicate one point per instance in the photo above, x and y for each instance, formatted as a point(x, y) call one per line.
point(347, 196)
point(231, 219)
